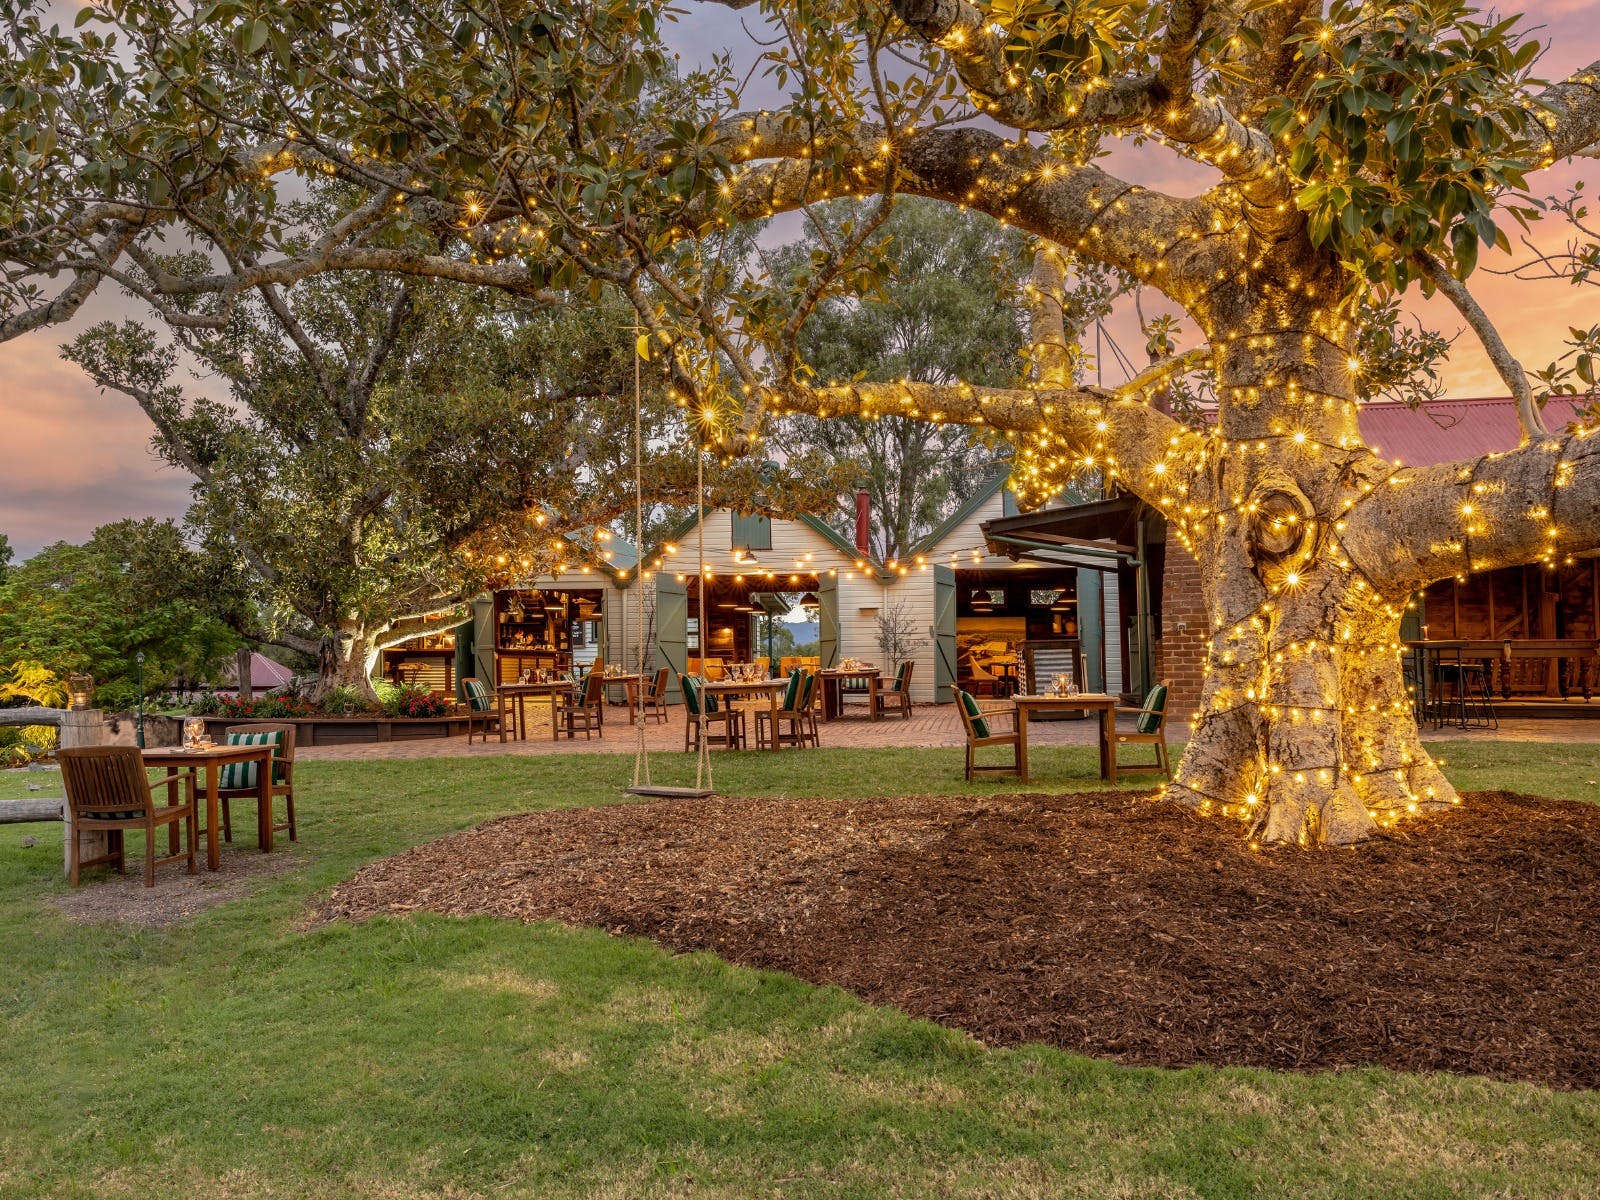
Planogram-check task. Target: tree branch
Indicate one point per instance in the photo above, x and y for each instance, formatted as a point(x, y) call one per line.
point(1529, 418)
point(1570, 113)
point(1145, 233)
point(1538, 503)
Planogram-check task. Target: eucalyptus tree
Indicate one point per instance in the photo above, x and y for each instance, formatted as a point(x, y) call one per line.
point(1354, 151)
point(947, 305)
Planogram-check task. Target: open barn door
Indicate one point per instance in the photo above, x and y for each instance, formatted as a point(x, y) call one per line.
point(828, 620)
point(944, 633)
point(672, 631)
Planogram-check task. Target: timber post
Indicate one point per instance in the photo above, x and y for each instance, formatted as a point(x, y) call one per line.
point(85, 727)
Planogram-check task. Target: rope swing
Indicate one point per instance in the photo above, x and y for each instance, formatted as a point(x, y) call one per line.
point(642, 786)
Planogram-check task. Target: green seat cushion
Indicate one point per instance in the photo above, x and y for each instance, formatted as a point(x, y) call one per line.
point(900, 675)
point(243, 776)
point(477, 695)
point(980, 726)
point(694, 693)
point(1155, 704)
point(131, 815)
point(792, 693)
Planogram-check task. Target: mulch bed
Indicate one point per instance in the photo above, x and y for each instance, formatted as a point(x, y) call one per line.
point(1106, 924)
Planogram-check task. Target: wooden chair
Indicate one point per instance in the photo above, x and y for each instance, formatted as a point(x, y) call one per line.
point(1149, 729)
point(980, 734)
point(702, 717)
point(107, 790)
point(655, 700)
point(483, 714)
point(795, 713)
point(580, 710)
point(238, 780)
point(899, 696)
point(983, 682)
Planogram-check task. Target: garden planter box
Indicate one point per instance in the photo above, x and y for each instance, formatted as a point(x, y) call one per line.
point(344, 731)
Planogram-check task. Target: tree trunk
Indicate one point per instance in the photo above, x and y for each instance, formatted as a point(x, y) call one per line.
point(1305, 729)
point(345, 658)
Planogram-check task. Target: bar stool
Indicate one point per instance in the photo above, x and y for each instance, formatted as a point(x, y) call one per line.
point(1462, 696)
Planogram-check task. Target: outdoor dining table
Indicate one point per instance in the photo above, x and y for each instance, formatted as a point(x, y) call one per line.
point(773, 688)
point(833, 690)
point(631, 682)
point(1097, 701)
point(519, 693)
point(175, 759)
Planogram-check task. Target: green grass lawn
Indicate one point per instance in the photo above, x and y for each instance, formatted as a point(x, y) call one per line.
point(239, 1055)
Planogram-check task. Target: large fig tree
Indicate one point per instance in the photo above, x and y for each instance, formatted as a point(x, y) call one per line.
point(1353, 152)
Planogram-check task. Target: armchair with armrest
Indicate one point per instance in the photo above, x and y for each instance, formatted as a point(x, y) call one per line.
point(1149, 729)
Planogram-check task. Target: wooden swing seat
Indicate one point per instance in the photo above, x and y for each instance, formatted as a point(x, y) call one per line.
point(671, 793)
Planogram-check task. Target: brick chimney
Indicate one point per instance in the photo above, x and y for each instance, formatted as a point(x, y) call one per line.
point(863, 521)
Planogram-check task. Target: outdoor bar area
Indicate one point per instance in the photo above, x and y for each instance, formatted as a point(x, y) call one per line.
point(544, 629)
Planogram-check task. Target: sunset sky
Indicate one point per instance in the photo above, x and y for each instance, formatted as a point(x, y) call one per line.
point(75, 458)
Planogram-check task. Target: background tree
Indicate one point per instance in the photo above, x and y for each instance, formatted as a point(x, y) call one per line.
point(946, 309)
point(1355, 150)
point(5, 556)
point(134, 586)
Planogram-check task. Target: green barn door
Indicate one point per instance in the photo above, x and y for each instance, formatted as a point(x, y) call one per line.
point(672, 631)
point(483, 632)
point(828, 620)
point(1092, 629)
point(944, 634)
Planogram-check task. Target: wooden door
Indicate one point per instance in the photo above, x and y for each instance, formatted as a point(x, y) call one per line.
point(944, 634)
point(828, 621)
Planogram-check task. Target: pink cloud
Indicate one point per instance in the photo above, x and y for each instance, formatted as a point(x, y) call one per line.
point(74, 458)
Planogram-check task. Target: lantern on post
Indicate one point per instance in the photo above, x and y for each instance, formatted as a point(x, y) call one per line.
point(81, 690)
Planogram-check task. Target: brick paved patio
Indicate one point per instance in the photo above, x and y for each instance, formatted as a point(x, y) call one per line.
point(930, 725)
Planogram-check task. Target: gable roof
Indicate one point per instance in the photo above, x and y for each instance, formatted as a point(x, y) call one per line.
point(1440, 431)
point(981, 496)
point(816, 524)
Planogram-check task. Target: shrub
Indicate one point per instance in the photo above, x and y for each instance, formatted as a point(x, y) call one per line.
point(208, 705)
point(412, 701)
point(342, 701)
point(267, 707)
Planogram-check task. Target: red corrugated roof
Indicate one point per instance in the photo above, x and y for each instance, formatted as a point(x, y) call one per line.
point(1445, 430)
point(264, 673)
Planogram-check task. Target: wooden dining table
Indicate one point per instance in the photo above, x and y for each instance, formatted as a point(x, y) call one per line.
point(833, 679)
point(508, 695)
point(1099, 702)
point(733, 688)
point(180, 760)
point(631, 683)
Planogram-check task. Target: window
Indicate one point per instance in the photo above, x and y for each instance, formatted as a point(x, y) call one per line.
point(751, 532)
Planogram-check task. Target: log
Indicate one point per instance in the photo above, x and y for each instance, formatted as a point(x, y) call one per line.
point(16, 812)
point(31, 716)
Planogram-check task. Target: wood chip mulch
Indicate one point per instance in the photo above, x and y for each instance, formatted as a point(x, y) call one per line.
point(1106, 924)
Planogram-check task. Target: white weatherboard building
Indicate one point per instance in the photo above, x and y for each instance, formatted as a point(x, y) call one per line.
point(977, 619)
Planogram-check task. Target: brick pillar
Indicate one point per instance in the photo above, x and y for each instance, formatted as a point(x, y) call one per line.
point(1183, 628)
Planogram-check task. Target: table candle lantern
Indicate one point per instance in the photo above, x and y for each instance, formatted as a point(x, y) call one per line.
point(194, 732)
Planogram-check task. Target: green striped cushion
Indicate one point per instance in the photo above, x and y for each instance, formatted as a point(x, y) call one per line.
point(1150, 720)
point(477, 695)
point(900, 675)
point(242, 776)
point(792, 692)
point(980, 727)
